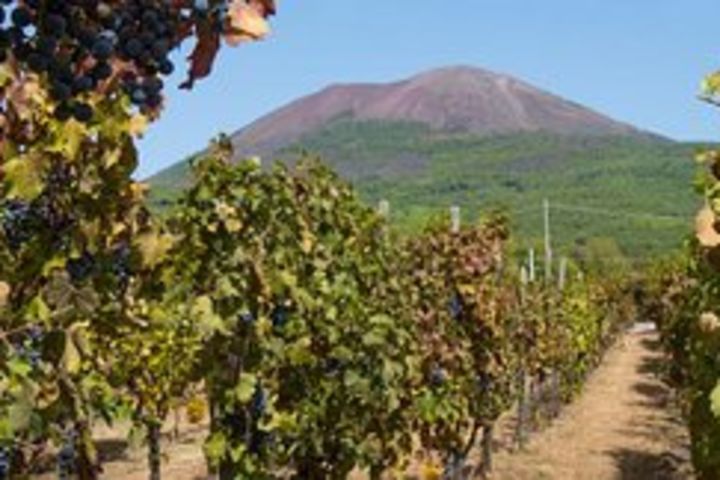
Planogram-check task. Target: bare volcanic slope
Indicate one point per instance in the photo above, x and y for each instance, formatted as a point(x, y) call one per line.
point(454, 99)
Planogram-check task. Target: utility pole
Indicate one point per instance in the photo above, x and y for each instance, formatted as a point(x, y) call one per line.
point(548, 247)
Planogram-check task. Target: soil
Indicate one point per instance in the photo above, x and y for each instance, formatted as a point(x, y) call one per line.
point(623, 426)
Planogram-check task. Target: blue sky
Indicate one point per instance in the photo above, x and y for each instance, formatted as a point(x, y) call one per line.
point(639, 61)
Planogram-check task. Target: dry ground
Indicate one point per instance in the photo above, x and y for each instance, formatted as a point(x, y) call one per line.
point(622, 427)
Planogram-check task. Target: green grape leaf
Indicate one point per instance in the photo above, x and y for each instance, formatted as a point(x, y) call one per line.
point(208, 321)
point(215, 447)
point(71, 355)
point(245, 387)
point(23, 177)
point(154, 247)
point(715, 400)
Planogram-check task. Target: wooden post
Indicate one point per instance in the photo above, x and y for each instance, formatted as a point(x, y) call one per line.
point(384, 208)
point(522, 383)
point(154, 452)
point(562, 273)
point(531, 265)
point(548, 247)
point(455, 219)
point(487, 448)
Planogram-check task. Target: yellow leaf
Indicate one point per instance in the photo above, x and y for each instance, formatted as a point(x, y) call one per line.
point(233, 225)
point(71, 355)
point(431, 471)
point(138, 125)
point(154, 247)
point(56, 263)
point(207, 320)
point(246, 387)
point(307, 242)
point(112, 157)
point(69, 137)
point(23, 175)
point(705, 228)
point(139, 190)
point(4, 294)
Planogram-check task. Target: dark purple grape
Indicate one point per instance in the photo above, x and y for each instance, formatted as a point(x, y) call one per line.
point(102, 49)
point(83, 83)
point(134, 48)
point(21, 17)
point(82, 112)
point(55, 25)
point(80, 268)
point(63, 112)
point(37, 62)
point(60, 91)
point(102, 71)
point(279, 316)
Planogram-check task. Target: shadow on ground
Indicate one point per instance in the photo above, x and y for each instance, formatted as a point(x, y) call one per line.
point(112, 450)
point(641, 465)
point(637, 465)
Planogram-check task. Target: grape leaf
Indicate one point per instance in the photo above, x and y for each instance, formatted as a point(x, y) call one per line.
point(715, 400)
point(246, 22)
point(4, 294)
point(23, 176)
point(705, 230)
point(203, 55)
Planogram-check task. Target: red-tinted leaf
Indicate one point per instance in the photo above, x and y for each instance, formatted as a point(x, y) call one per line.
point(203, 56)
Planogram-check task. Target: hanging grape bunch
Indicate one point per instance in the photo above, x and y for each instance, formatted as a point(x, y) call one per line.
point(77, 48)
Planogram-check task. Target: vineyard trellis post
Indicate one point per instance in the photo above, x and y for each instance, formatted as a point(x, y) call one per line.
point(548, 246)
point(455, 219)
point(384, 208)
point(555, 379)
point(523, 385)
point(531, 265)
point(562, 273)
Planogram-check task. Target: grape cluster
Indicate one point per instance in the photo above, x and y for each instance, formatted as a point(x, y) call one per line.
point(259, 401)
point(438, 376)
point(279, 316)
point(21, 221)
point(30, 349)
point(5, 464)
point(66, 456)
point(333, 366)
point(485, 383)
point(80, 268)
point(121, 266)
point(82, 46)
point(455, 306)
point(246, 318)
point(18, 223)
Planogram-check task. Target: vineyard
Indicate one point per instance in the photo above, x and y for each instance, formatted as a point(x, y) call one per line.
point(270, 304)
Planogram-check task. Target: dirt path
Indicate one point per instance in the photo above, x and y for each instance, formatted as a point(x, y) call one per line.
point(623, 426)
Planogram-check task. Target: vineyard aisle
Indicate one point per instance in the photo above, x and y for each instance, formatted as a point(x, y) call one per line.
point(623, 426)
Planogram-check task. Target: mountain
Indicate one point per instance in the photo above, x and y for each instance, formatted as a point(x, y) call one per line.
point(482, 140)
point(456, 99)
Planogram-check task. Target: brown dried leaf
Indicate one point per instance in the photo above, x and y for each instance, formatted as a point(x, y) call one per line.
point(246, 22)
point(202, 57)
